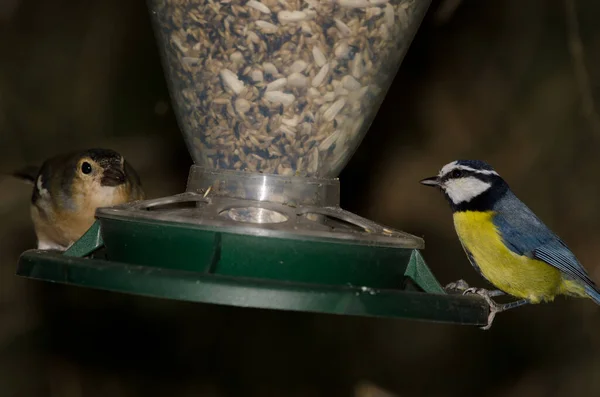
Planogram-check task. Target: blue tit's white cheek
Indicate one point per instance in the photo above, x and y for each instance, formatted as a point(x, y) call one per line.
point(463, 190)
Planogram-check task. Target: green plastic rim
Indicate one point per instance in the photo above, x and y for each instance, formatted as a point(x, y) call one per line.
point(251, 293)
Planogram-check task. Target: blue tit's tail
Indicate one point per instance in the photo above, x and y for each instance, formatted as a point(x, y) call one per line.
point(593, 293)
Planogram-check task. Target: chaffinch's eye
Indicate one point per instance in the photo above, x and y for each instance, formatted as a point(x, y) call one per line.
point(86, 167)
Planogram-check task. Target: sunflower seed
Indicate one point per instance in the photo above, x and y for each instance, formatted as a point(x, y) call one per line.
point(269, 68)
point(253, 37)
point(353, 3)
point(266, 27)
point(313, 161)
point(389, 15)
point(320, 59)
point(334, 109)
point(341, 50)
point(257, 75)
point(320, 77)
point(257, 5)
point(291, 16)
point(314, 92)
point(357, 66)
point(236, 57)
point(330, 140)
point(297, 80)
point(342, 27)
point(242, 105)
point(280, 97)
point(277, 84)
point(293, 122)
point(350, 83)
point(306, 28)
point(330, 96)
point(298, 66)
point(230, 80)
point(287, 131)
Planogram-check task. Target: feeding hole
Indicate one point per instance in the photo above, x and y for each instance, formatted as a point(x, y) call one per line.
point(333, 222)
point(254, 215)
point(175, 205)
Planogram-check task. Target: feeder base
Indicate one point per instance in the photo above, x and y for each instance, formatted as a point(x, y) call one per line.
point(417, 294)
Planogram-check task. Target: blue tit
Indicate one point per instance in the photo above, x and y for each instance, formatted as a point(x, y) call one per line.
point(506, 242)
point(68, 188)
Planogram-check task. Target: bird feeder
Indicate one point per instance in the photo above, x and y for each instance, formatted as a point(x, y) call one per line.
point(272, 97)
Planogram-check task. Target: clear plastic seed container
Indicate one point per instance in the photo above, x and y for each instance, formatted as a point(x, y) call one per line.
point(284, 87)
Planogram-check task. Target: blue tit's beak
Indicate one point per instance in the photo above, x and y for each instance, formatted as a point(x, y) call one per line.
point(432, 181)
point(112, 176)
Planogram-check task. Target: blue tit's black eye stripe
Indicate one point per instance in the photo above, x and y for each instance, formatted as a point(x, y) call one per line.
point(461, 173)
point(456, 173)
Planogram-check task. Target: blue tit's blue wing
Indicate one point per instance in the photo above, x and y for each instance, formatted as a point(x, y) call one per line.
point(557, 254)
point(525, 234)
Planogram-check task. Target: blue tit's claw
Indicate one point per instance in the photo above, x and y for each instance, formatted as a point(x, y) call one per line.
point(459, 286)
point(494, 307)
point(490, 319)
point(478, 291)
point(483, 291)
point(462, 286)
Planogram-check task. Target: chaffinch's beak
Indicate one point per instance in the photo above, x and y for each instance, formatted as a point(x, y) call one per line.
point(112, 176)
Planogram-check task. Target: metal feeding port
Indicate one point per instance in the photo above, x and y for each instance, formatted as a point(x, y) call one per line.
point(272, 97)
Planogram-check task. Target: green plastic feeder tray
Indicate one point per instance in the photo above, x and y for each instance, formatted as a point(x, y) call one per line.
point(399, 286)
point(272, 105)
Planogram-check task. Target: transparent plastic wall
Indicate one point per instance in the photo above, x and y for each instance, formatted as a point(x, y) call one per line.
point(286, 87)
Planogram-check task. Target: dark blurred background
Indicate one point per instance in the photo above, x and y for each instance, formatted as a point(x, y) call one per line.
point(509, 82)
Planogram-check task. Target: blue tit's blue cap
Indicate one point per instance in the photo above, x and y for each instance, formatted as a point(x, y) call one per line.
point(475, 164)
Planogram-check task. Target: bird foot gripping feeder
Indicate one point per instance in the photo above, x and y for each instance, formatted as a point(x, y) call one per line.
point(273, 97)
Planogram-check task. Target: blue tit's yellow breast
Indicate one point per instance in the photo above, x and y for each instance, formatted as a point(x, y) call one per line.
point(514, 274)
